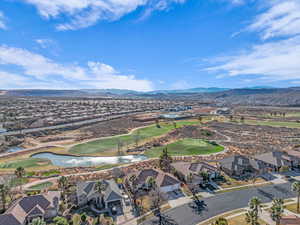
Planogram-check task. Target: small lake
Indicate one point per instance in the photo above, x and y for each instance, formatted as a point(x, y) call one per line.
point(74, 161)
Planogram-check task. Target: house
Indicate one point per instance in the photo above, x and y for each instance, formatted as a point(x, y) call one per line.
point(239, 165)
point(164, 181)
point(24, 210)
point(290, 220)
point(295, 157)
point(185, 169)
point(87, 194)
point(273, 161)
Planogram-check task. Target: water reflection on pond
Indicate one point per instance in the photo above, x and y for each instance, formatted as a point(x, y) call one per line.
point(74, 161)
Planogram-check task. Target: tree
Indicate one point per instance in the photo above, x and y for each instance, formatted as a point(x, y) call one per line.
point(174, 124)
point(20, 173)
point(63, 184)
point(205, 176)
point(277, 210)
point(133, 188)
point(157, 198)
point(296, 188)
point(242, 119)
point(220, 221)
point(255, 204)
point(120, 146)
point(157, 123)
point(165, 160)
point(151, 183)
point(60, 220)
point(83, 218)
point(38, 221)
point(100, 187)
point(189, 178)
point(252, 218)
point(231, 118)
point(200, 119)
point(4, 191)
point(137, 138)
point(254, 208)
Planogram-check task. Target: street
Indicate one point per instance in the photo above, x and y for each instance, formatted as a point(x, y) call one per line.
point(221, 203)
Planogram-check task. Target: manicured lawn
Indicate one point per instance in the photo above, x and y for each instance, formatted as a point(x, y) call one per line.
point(41, 186)
point(111, 143)
point(292, 207)
point(187, 146)
point(273, 123)
point(25, 163)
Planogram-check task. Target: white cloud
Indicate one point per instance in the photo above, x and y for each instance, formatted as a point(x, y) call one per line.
point(282, 18)
point(85, 13)
point(277, 60)
point(107, 77)
point(38, 65)
point(2, 21)
point(44, 43)
point(274, 59)
point(43, 70)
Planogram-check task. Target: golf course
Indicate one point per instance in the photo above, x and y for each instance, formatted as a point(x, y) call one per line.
point(186, 146)
point(108, 145)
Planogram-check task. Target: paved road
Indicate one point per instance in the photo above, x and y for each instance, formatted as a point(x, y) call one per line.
point(221, 203)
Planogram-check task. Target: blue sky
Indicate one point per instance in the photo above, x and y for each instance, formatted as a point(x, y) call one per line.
point(149, 44)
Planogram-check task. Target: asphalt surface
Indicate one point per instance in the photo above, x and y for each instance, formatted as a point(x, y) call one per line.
point(221, 203)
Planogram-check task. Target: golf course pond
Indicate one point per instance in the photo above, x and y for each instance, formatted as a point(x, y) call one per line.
point(76, 161)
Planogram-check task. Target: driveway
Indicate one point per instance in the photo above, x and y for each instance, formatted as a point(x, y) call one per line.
point(221, 203)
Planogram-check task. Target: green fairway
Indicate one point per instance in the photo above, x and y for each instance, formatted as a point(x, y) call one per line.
point(26, 163)
point(187, 146)
point(273, 123)
point(41, 186)
point(111, 143)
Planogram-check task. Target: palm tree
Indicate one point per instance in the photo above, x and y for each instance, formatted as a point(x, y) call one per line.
point(63, 184)
point(100, 186)
point(255, 204)
point(3, 192)
point(220, 221)
point(37, 221)
point(252, 217)
point(252, 214)
point(20, 173)
point(296, 188)
point(277, 210)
